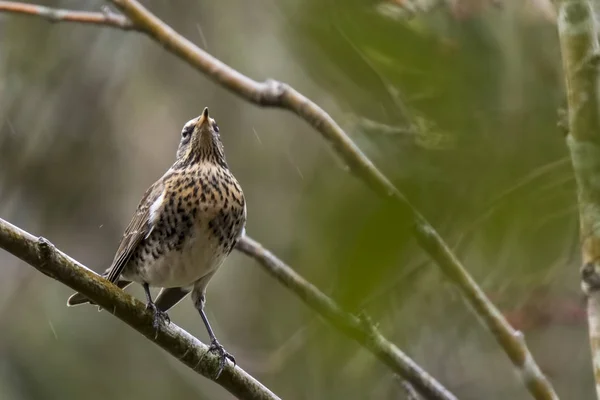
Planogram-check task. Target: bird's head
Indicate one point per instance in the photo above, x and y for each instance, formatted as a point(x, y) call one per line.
point(200, 142)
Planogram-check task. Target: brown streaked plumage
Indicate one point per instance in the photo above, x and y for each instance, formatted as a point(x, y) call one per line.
point(185, 225)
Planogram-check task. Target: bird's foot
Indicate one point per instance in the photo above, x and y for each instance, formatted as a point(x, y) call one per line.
point(159, 316)
point(216, 347)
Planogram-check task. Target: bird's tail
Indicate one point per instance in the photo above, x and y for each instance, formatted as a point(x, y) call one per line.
point(78, 299)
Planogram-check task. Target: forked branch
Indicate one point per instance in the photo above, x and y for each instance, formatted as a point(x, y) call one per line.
point(359, 328)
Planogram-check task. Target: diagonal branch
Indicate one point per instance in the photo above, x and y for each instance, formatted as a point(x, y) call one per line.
point(279, 95)
point(578, 32)
point(358, 328)
point(44, 257)
point(50, 261)
point(105, 18)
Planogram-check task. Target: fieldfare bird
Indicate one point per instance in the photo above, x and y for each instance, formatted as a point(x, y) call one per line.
point(185, 226)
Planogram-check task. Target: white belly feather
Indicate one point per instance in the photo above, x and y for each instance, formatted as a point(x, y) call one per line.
point(198, 258)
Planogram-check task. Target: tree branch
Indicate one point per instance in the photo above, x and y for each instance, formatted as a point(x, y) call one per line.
point(580, 50)
point(361, 329)
point(279, 95)
point(105, 18)
point(50, 261)
point(44, 257)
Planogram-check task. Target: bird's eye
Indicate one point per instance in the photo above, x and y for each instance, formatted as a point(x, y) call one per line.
point(215, 127)
point(187, 132)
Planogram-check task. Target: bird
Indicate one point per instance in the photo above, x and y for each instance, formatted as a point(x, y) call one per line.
point(184, 227)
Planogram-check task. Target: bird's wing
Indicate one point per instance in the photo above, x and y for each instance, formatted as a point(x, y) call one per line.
point(140, 227)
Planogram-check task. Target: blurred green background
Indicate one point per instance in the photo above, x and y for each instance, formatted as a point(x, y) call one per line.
point(456, 101)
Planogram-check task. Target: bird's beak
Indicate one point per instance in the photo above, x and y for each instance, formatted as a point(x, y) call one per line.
point(204, 118)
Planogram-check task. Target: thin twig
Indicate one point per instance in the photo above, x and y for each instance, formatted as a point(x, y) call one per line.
point(578, 32)
point(411, 393)
point(276, 94)
point(43, 256)
point(360, 328)
point(105, 18)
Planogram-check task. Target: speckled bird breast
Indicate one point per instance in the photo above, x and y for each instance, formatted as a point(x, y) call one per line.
point(200, 218)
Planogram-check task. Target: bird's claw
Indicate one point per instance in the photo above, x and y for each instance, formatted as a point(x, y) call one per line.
point(159, 315)
point(216, 347)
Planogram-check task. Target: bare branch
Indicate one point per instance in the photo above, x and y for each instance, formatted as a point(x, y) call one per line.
point(358, 328)
point(106, 18)
point(276, 94)
point(512, 341)
point(44, 257)
point(580, 50)
point(50, 261)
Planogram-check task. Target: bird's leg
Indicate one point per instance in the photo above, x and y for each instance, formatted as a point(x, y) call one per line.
point(159, 316)
point(215, 346)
